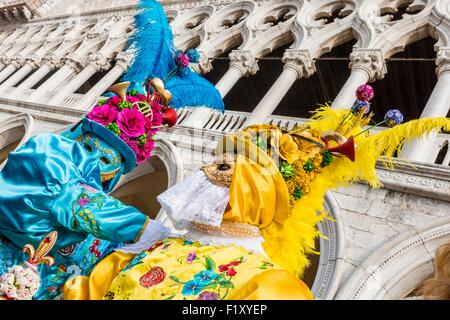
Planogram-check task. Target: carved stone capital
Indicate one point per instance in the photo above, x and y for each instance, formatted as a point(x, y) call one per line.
point(99, 61)
point(244, 61)
point(52, 60)
point(4, 59)
point(443, 61)
point(34, 60)
point(371, 61)
point(76, 62)
point(17, 61)
point(300, 61)
point(123, 59)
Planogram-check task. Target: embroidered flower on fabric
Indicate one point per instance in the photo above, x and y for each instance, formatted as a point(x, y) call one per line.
point(153, 277)
point(208, 295)
point(192, 287)
point(191, 256)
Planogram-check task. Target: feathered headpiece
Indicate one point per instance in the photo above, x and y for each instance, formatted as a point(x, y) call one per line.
point(333, 149)
point(156, 57)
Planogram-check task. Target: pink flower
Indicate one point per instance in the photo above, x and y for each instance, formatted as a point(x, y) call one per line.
point(83, 201)
point(103, 114)
point(133, 144)
point(131, 122)
point(141, 97)
point(133, 99)
point(145, 151)
point(183, 60)
point(115, 100)
point(149, 124)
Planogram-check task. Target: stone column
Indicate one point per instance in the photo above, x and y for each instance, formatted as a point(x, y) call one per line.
point(366, 65)
point(123, 60)
point(297, 64)
point(9, 70)
point(48, 64)
point(242, 64)
point(72, 65)
point(438, 105)
point(31, 63)
point(96, 63)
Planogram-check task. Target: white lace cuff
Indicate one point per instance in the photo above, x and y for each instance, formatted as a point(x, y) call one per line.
point(153, 232)
point(195, 199)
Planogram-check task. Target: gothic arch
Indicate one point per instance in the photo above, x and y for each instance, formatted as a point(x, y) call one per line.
point(269, 27)
point(188, 28)
point(14, 131)
point(330, 270)
point(398, 267)
point(224, 28)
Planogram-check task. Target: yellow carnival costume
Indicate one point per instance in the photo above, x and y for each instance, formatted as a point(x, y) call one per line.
point(280, 203)
point(179, 269)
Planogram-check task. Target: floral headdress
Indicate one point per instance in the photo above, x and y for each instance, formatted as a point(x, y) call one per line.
point(135, 118)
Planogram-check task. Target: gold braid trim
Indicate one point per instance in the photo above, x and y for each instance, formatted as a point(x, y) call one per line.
point(230, 229)
point(109, 175)
point(138, 236)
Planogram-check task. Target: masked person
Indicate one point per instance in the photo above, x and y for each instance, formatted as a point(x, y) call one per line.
point(251, 220)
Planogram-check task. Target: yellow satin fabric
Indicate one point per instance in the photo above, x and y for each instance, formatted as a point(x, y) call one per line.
point(256, 277)
point(257, 196)
point(95, 286)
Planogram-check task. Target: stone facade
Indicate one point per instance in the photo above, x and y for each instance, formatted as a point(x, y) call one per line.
point(382, 242)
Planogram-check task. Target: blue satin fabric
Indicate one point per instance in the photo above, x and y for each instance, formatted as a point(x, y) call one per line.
point(53, 183)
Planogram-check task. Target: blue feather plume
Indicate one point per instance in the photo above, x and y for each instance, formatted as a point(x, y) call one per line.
point(154, 56)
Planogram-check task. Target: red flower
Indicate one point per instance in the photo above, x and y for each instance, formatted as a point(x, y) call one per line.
point(153, 277)
point(97, 254)
point(234, 263)
point(231, 272)
point(224, 268)
point(96, 242)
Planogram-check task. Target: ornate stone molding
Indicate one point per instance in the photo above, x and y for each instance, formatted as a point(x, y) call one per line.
point(244, 61)
point(443, 61)
point(431, 181)
point(371, 61)
point(300, 61)
point(399, 266)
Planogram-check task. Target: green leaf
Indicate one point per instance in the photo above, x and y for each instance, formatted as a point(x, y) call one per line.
point(99, 204)
point(221, 277)
point(226, 284)
point(210, 264)
point(170, 297)
point(176, 279)
point(212, 285)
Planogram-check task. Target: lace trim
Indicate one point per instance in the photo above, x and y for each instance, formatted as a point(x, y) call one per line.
point(252, 244)
point(153, 232)
point(195, 199)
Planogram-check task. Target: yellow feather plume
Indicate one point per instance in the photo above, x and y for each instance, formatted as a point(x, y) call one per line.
point(290, 244)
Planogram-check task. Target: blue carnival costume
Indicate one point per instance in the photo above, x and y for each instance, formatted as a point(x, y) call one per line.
point(61, 182)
